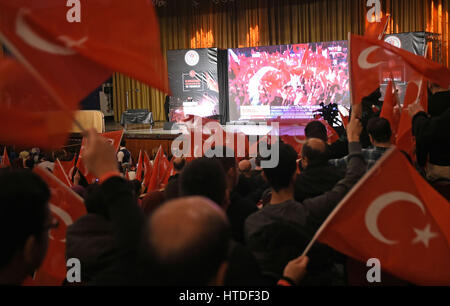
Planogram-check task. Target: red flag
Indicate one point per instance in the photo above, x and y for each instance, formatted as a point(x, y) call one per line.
point(376, 30)
point(139, 167)
point(67, 60)
point(388, 109)
point(28, 113)
point(61, 174)
point(68, 167)
point(127, 177)
point(371, 59)
point(295, 141)
point(5, 159)
point(148, 169)
point(404, 139)
point(66, 206)
point(113, 137)
point(169, 172)
point(158, 171)
point(394, 215)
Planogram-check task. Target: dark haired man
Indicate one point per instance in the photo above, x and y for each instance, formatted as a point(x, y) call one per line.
point(281, 229)
point(24, 224)
point(380, 134)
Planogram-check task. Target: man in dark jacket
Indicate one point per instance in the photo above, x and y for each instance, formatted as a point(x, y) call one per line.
point(284, 212)
point(317, 175)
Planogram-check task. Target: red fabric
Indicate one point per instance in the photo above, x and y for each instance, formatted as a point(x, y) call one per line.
point(404, 139)
point(370, 58)
point(139, 167)
point(394, 215)
point(5, 159)
point(387, 110)
point(62, 62)
point(113, 137)
point(160, 165)
point(66, 206)
point(148, 169)
point(61, 174)
point(375, 29)
point(68, 167)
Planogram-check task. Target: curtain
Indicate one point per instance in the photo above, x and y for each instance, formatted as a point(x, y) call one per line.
point(230, 24)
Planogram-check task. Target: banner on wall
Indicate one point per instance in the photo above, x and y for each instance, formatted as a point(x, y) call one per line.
point(193, 78)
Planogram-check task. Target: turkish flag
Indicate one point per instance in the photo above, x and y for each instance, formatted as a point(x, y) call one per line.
point(387, 110)
point(5, 159)
point(294, 141)
point(61, 174)
point(371, 59)
point(404, 139)
point(68, 60)
point(68, 167)
point(114, 138)
point(28, 113)
point(106, 37)
point(160, 165)
point(65, 206)
point(139, 167)
point(169, 172)
point(148, 169)
point(376, 29)
point(394, 215)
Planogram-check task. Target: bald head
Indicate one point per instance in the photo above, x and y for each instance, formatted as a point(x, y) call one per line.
point(189, 239)
point(315, 152)
point(245, 167)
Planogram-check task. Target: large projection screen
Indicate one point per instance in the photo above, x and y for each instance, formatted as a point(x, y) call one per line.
point(287, 81)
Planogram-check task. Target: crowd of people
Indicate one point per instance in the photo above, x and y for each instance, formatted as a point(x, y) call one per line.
point(293, 75)
point(218, 221)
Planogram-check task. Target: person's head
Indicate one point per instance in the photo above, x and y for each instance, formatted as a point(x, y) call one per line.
point(379, 131)
point(314, 153)
point(24, 223)
point(316, 129)
point(282, 176)
point(179, 163)
point(245, 167)
point(123, 142)
point(137, 186)
point(29, 163)
point(204, 177)
point(229, 164)
point(189, 240)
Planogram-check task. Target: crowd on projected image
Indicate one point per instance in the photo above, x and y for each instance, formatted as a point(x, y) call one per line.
point(287, 80)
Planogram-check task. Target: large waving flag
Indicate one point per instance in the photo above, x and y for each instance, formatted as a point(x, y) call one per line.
point(377, 29)
point(372, 58)
point(160, 166)
point(394, 215)
point(113, 137)
point(69, 60)
point(66, 206)
point(388, 109)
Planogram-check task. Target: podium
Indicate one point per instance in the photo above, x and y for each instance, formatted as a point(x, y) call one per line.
point(137, 116)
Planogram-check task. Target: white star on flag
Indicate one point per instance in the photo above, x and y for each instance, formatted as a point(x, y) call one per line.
point(424, 235)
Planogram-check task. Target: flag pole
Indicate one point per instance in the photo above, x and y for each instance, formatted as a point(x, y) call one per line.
point(349, 194)
point(37, 75)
